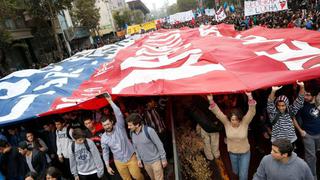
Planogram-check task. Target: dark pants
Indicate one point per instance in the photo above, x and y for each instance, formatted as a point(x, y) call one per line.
point(89, 177)
point(65, 168)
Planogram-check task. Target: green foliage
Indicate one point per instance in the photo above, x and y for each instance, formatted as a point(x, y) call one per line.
point(8, 8)
point(5, 39)
point(209, 4)
point(128, 17)
point(121, 17)
point(173, 9)
point(47, 8)
point(138, 16)
point(85, 13)
point(186, 5)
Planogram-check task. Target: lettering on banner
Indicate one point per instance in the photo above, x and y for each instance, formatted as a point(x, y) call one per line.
point(57, 79)
point(22, 105)
point(89, 92)
point(262, 6)
point(146, 59)
point(12, 90)
point(68, 102)
point(206, 30)
point(103, 69)
point(92, 91)
point(255, 39)
point(23, 73)
point(295, 59)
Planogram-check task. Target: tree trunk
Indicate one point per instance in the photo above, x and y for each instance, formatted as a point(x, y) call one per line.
point(4, 69)
point(53, 16)
point(98, 34)
point(56, 39)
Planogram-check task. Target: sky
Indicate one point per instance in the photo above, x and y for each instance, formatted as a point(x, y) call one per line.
point(158, 3)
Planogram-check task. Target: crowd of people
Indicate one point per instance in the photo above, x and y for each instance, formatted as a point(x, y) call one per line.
point(127, 140)
point(300, 16)
point(270, 120)
point(89, 145)
point(119, 141)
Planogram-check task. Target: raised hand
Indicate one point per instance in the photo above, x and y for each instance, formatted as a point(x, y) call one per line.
point(249, 94)
point(300, 83)
point(210, 97)
point(276, 88)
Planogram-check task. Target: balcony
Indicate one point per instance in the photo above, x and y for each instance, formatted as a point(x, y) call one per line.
point(17, 28)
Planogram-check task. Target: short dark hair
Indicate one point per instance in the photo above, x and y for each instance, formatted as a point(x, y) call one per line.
point(235, 112)
point(60, 120)
point(284, 146)
point(312, 88)
point(24, 145)
point(3, 143)
point(53, 172)
point(48, 122)
point(135, 119)
point(106, 118)
point(31, 174)
point(78, 133)
point(86, 115)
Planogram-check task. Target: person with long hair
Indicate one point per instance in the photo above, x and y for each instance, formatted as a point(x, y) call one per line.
point(35, 142)
point(236, 127)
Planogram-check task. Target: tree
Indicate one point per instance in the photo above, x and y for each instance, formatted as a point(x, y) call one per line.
point(209, 3)
point(186, 5)
point(138, 17)
point(172, 9)
point(8, 9)
point(122, 17)
point(84, 13)
point(49, 9)
point(128, 17)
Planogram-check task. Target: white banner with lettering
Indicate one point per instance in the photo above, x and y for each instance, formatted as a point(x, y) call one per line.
point(262, 6)
point(181, 17)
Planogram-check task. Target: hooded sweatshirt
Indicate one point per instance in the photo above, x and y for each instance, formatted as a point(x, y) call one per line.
point(271, 169)
point(84, 162)
point(283, 128)
point(63, 143)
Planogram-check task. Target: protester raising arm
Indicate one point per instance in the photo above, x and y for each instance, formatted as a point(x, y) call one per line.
point(251, 110)
point(298, 102)
point(224, 119)
point(117, 112)
point(271, 108)
point(216, 110)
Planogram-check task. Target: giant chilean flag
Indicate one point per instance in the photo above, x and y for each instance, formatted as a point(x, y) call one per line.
point(209, 59)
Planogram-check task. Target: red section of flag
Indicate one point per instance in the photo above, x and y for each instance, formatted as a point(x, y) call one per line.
point(210, 59)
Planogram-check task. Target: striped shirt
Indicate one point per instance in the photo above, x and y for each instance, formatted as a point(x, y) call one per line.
point(284, 128)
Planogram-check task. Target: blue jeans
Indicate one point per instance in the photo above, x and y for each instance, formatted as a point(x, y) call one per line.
point(310, 149)
point(240, 164)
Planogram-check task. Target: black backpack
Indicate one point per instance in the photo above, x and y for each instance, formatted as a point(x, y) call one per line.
point(85, 144)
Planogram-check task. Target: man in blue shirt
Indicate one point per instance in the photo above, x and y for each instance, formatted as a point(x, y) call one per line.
point(309, 116)
point(115, 137)
point(148, 147)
